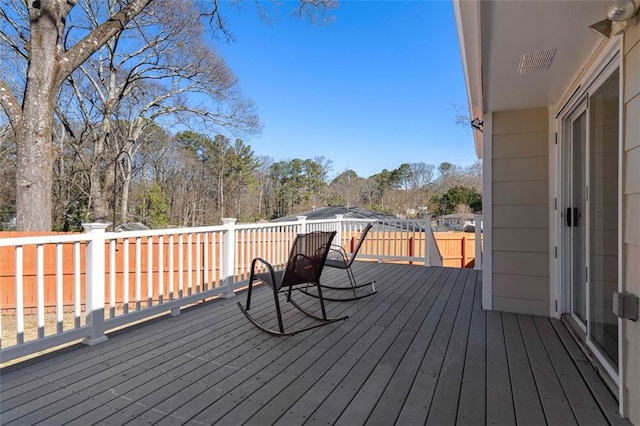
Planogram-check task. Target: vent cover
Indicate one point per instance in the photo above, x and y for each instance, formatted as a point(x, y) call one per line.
point(536, 61)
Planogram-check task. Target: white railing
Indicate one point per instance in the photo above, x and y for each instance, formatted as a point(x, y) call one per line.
point(84, 285)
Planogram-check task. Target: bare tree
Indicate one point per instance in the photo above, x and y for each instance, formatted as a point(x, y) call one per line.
point(421, 176)
point(48, 48)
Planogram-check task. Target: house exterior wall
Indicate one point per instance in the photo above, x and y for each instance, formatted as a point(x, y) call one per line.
point(631, 218)
point(520, 211)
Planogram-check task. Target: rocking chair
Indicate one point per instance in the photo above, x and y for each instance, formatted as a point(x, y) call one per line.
point(339, 258)
point(304, 266)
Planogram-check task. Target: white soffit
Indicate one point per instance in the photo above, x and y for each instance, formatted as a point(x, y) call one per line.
point(531, 49)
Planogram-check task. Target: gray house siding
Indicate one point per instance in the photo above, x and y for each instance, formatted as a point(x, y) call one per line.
point(520, 211)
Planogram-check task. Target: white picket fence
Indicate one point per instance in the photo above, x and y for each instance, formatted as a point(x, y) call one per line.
point(164, 270)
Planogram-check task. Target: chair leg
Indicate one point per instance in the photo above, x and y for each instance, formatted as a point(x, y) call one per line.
point(248, 306)
point(278, 311)
point(352, 281)
point(322, 308)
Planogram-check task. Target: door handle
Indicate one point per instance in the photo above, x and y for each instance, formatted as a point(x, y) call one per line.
point(572, 216)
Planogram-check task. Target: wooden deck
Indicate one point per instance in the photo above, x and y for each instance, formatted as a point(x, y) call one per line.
point(419, 351)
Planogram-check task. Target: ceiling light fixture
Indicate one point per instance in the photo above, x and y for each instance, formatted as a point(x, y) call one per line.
point(620, 10)
point(621, 15)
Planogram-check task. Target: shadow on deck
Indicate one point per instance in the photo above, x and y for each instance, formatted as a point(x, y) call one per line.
point(420, 351)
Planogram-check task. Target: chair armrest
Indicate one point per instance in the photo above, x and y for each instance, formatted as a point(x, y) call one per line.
point(342, 252)
point(267, 264)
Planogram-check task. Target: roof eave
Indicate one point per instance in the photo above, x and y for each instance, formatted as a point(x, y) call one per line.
point(467, 16)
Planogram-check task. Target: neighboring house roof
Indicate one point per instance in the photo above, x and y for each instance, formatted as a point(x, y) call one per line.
point(331, 212)
point(501, 43)
point(462, 216)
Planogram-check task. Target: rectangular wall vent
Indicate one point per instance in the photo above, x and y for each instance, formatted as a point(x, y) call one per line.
point(536, 61)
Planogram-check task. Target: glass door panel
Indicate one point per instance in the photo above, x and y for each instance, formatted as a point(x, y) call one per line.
point(603, 217)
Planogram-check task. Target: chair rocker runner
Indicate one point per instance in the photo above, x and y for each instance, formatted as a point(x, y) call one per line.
point(304, 266)
point(338, 258)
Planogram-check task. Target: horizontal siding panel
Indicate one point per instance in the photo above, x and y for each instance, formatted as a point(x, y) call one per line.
point(519, 169)
point(632, 68)
point(526, 240)
point(520, 146)
point(526, 192)
point(519, 216)
point(519, 263)
point(521, 286)
point(520, 121)
point(632, 131)
point(632, 272)
point(632, 220)
point(631, 38)
point(521, 306)
point(632, 171)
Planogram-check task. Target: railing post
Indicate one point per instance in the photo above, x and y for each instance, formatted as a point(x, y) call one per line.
point(478, 243)
point(338, 238)
point(95, 285)
point(302, 227)
point(228, 256)
point(427, 240)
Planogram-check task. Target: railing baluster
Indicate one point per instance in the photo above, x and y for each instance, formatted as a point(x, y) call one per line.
point(215, 259)
point(149, 272)
point(40, 290)
point(205, 257)
point(77, 292)
point(125, 276)
point(198, 260)
point(138, 273)
point(171, 272)
point(59, 290)
point(19, 296)
point(112, 278)
point(180, 266)
point(160, 269)
point(189, 263)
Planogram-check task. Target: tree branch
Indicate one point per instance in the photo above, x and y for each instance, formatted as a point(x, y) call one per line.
point(86, 47)
point(11, 105)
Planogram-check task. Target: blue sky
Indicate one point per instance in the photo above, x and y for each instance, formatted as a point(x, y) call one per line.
point(372, 90)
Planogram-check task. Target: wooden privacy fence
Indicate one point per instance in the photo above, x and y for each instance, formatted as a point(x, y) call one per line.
point(185, 264)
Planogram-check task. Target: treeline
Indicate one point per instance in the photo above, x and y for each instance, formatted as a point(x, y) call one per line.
point(192, 179)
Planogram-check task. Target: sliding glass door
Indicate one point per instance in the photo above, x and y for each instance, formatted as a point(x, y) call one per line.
point(603, 217)
point(590, 153)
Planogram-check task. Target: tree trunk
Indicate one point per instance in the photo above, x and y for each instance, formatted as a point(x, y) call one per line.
point(34, 180)
point(101, 176)
point(126, 185)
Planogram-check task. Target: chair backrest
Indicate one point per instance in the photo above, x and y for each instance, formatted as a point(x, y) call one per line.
point(356, 249)
point(307, 258)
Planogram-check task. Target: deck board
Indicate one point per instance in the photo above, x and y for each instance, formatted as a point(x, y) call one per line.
point(552, 396)
point(444, 407)
point(499, 397)
point(419, 351)
point(526, 400)
point(580, 399)
point(471, 402)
